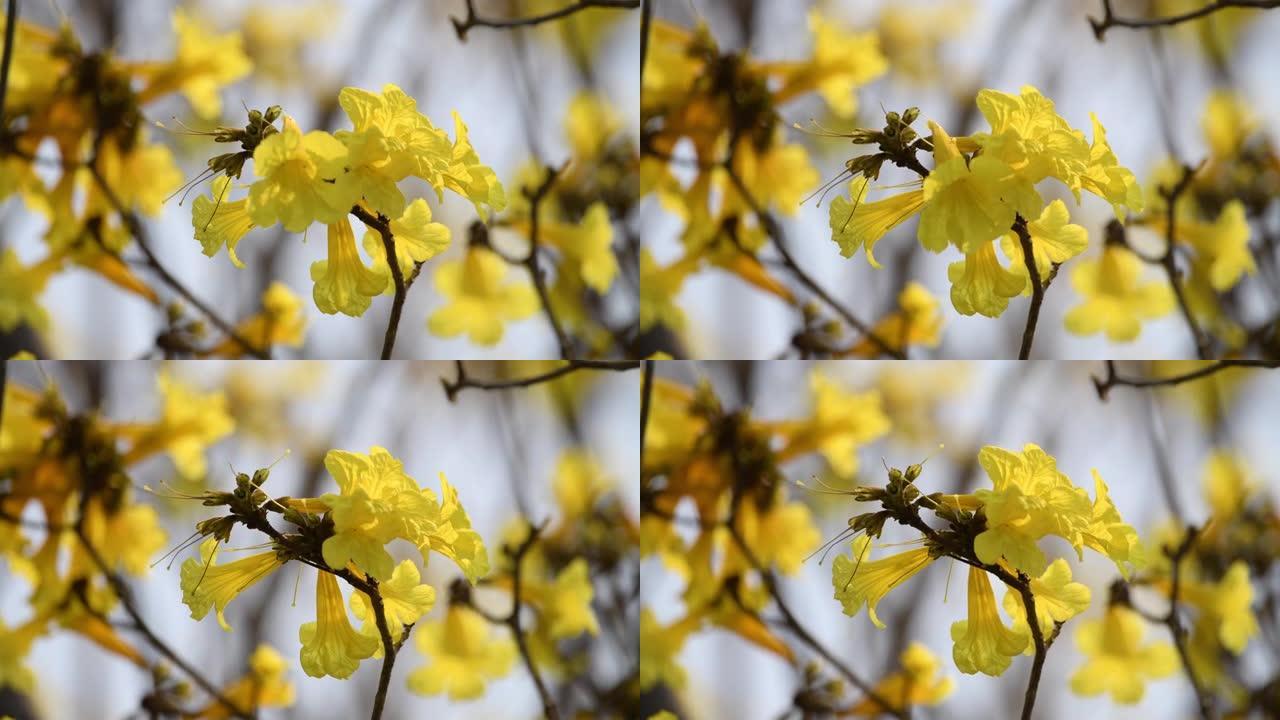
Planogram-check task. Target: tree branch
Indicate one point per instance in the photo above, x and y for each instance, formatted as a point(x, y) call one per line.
point(1112, 379)
point(530, 261)
point(1110, 19)
point(10, 31)
point(383, 228)
point(1167, 260)
point(464, 381)
point(390, 648)
point(1037, 289)
point(646, 399)
point(1174, 622)
point(473, 19)
point(512, 620)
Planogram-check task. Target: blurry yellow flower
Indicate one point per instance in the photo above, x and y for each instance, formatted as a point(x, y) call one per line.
point(660, 287)
point(405, 598)
point(281, 322)
point(480, 303)
point(274, 37)
point(1054, 240)
point(1226, 483)
point(15, 645)
point(578, 483)
point(1226, 606)
point(20, 288)
point(587, 246)
point(417, 240)
point(219, 221)
point(1116, 662)
point(1227, 122)
point(1222, 247)
point(330, 646)
point(911, 36)
point(142, 177)
point(343, 283)
point(917, 683)
point(842, 422)
point(207, 586)
point(565, 603)
point(265, 685)
point(139, 523)
point(463, 655)
point(1115, 300)
point(190, 423)
point(982, 642)
point(203, 65)
point(915, 322)
point(981, 284)
point(296, 174)
point(842, 62)
point(779, 175)
point(1058, 599)
point(859, 581)
point(781, 536)
point(858, 223)
point(659, 647)
point(590, 124)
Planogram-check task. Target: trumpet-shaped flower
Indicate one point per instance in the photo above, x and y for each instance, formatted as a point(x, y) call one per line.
point(343, 283)
point(1117, 663)
point(330, 646)
point(857, 223)
point(377, 503)
point(207, 586)
point(297, 179)
point(1028, 135)
point(480, 302)
point(1030, 499)
point(982, 642)
point(1115, 301)
point(414, 146)
point(1054, 240)
point(1058, 599)
point(463, 655)
point(981, 284)
point(220, 222)
point(417, 240)
point(859, 581)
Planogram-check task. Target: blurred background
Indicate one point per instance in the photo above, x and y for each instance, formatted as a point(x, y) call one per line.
point(512, 88)
point(500, 449)
point(1149, 89)
point(1131, 439)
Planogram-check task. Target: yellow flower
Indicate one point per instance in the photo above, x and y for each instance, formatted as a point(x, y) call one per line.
point(281, 322)
point(405, 598)
point(139, 523)
point(452, 535)
point(275, 38)
point(915, 322)
point(841, 423)
point(1226, 484)
point(142, 177)
point(190, 423)
point(579, 482)
point(590, 124)
point(1058, 599)
point(414, 146)
point(417, 239)
point(982, 642)
point(981, 284)
point(15, 645)
point(1029, 136)
point(781, 536)
point(842, 62)
point(296, 174)
point(1106, 178)
point(1225, 606)
point(265, 685)
point(479, 301)
point(204, 64)
point(377, 502)
point(370, 174)
point(1030, 499)
point(565, 603)
point(1222, 247)
point(471, 179)
point(917, 683)
point(343, 283)
point(587, 246)
point(463, 654)
point(208, 586)
point(859, 581)
point(219, 221)
point(659, 288)
point(1115, 301)
point(779, 175)
point(1054, 240)
point(1227, 122)
point(857, 223)
point(20, 286)
point(330, 646)
point(1116, 661)
point(911, 35)
point(659, 647)
point(1109, 534)
point(970, 202)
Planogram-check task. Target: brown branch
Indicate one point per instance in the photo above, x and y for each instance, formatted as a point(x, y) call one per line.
point(473, 19)
point(530, 260)
point(1041, 646)
point(774, 231)
point(135, 228)
point(390, 648)
point(1167, 260)
point(10, 30)
point(464, 381)
point(383, 228)
point(1037, 288)
point(646, 399)
point(1112, 379)
point(512, 620)
point(1174, 621)
point(1110, 19)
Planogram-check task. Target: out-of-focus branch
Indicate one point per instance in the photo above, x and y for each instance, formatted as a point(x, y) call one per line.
point(464, 381)
point(10, 31)
point(646, 399)
point(1110, 19)
point(1169, 264)
point(646, 22)
point(473, 19)
point(530, 261)
point(1112, 379)
point(1173, 620)
point(135, 228)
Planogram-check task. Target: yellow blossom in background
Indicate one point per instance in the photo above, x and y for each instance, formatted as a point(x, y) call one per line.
point(142, 177)
point(566, 602)
point(917, 683)
point(659, 287)
point(15, 645)
point(982, 642)
point(203, 65)
point(590, 123)
point(915, 322)
point(1227, 484)
point(842, 422)
point(265, 685)
point(282, 321)
point(275, 37)
point(190, 423)
point(330, 646)
point(587, 245)
point(842, 62)
point(1117, 662)
point(911, 35)
point(1227, 122)
point(659, 647)
point(1116, 301)
point(463, 655)
point(480, 301)
point(1225, 606)
point(20, 288)
point(782, 535)
point(578, 483)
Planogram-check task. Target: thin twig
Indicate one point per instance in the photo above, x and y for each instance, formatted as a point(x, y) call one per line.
point(390, 648)
point(512, 621)
point(1112, 379)
point(1041, 647)
point(473, 19)
point(646, 399)
point(1110, 19)
point(383, 227)
point(464, 381)
point(10, 31)
point(1168, 262)
point(1037, 287)
point(135, 228)
point(530, 261)
point(646, 24)
point(1173, 620)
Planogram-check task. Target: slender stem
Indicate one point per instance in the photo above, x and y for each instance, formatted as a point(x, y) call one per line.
point(530, 260)
point(1168, 261)
point(134, 225)
point(462, 27)
point(513, 621)
point(1042, 648)
point(646, 400)
point(1110, 19)
point(1037, 288)
point(646, 24)
point(10, 31)
point(383, 227)
point(464, 381)
point(1174, 621)
point(390, 648)
point(1104, 385)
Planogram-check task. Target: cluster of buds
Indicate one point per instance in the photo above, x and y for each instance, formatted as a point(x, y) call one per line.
point(898, 143)
point(261, 126)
